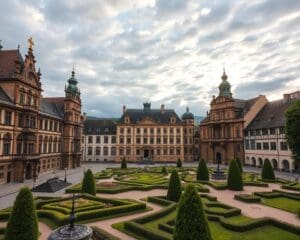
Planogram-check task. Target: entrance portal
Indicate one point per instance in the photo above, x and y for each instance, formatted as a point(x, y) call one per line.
point(218, 158)
point(28, 171)
point(146, 154)
point(8, 177)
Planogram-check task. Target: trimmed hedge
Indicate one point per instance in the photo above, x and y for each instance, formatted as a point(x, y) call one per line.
point(234, 180)
point(230, 211)
point(202, 171)
point(100, 234)
point(247, 198)
point(179, 163)
point(88, 183)
point(174, 189)
point(267, 171)
point(123, 163)
point(291, 186)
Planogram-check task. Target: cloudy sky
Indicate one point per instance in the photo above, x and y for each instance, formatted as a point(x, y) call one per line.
point(163, 51)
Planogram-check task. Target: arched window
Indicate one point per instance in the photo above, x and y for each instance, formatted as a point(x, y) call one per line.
point(6, 144)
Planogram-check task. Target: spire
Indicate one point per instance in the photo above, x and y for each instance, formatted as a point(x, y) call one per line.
point(224, 76)
point(1, 46)
point(187, 109)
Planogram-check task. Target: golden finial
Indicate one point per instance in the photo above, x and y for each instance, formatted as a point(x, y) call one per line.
point(31, 43)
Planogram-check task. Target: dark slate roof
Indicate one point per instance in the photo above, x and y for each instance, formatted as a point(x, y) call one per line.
point(99, 126)
point(137, 115)
point(52, 185)
point(8, 60)
point(272, 115)
point(4, 98)
point(53, 107)
point(245, 104)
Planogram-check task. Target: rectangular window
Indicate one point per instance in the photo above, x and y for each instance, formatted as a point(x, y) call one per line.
point(252, 144)
point(165, 130)
point(266, 146)
point(121, 140)
point(90, 139)
point(272, 131)
point(7, 118)
point(113, 139)
point(145, 140)
point(121, 151)
point(283, 146)
point(158, 140)
point(128, 140)
point(171, 151)
point(171, 140)
point(258, 146)
point(178, 152)
point(122, 130)
point(138, 152)
point(151, 140)
point(165, 151)
point(138, 131)
point(257, 132)
point(171, 131)
point(178, 140)
point(151, 130)
point(273, 146)
point(105, 139)
point(98, 139)
point(138, 140)
point(128, 130)
point(282, 130)
point(247, 144)
point(265, 131)
point(165, 140)
point(158, 151)
point(178, 130)
point(127, 151)
point(145, 130)
point(158, 131)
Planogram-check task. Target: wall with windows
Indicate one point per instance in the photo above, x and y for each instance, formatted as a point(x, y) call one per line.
point(268, 143)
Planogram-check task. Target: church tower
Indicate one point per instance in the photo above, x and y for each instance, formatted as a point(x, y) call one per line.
point(73, 124)
point(225, 87)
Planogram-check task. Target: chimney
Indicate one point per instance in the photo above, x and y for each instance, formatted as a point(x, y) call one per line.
point(162, 108)
point(124, 109)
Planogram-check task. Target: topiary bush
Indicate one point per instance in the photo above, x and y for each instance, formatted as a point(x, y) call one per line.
point(23, 223)
point(267, 171)
point(191, 223)
point(179, 163)
point(164, 170)
point(174, 190)
point(202, 171)
point(124, 164)
point(88, 183)
point(234, 179)
point(239, 163)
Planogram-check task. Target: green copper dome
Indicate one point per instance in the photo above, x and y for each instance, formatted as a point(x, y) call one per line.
point(187, 115)
point(72, 84)
point(225, 87)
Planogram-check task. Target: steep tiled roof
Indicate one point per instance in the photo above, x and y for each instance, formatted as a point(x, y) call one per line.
point(53, 107)
point(8, 60)
point(137, 115)
point(245, 104)
point(100, 126)
point(4, 98)
point(272, 115)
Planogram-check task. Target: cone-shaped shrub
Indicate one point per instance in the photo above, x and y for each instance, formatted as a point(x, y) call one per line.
point(191, 223)
point(174, 190)
point(179, 163)
point(234, 179)
point(23, 223)
point(267, 171)
point(164, 170)
point(123, 164)
point(239, 163)
point(88, 183)
point(202, 171)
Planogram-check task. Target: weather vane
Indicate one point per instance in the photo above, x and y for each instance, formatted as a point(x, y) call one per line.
point(30, 42)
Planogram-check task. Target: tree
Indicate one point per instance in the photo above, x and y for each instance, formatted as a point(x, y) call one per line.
point(267, 171)
point(292, 129)
point(202, 171)
point(164, 170)
point(234, 179)
point(123, 163)
point(22, 223)
point(88, 183)
point(239, 163)
point(191, 222)
point(174, 190)
point(179, 163)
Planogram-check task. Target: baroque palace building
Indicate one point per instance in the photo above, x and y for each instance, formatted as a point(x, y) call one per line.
point(142, 135)
point(36, 134)
point(222, 131)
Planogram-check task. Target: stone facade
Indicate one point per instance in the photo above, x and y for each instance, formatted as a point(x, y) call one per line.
point(221, 132)
point(37, 134)
point(265, 136)
point(100, 140)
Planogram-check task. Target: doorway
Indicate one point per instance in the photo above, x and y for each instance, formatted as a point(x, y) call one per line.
point(8, 177)
point(28, 171)
point(218, 158)
point(146, 154)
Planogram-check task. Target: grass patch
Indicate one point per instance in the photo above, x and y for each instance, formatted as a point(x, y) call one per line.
point(282, 203)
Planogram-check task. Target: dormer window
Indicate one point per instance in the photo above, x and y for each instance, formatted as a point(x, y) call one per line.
point(106, 130)
point(127, 119)
point(173, 120)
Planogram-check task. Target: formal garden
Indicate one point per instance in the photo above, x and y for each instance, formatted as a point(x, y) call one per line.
point(168, 202)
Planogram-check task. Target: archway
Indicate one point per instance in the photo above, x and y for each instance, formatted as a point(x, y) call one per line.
point(275, 163)
point(28, 171)
point(285, 165)
point(253, 161)
point(260, 162)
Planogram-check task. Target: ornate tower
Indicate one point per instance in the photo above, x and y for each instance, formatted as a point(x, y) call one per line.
point(225, 87)
point(73, 125)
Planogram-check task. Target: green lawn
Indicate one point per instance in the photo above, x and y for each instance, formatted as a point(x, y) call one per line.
point(283, 203)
